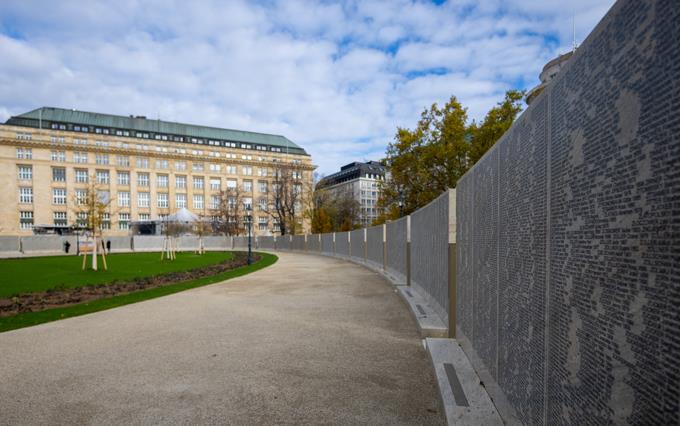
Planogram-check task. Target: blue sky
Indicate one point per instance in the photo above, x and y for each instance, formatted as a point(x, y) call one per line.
point(337, 78)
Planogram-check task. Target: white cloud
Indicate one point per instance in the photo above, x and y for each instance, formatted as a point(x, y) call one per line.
point(337, 78)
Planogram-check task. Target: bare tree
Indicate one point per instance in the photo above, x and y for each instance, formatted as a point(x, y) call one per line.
point(288, 198)
point(230, 212)
point(92, 206)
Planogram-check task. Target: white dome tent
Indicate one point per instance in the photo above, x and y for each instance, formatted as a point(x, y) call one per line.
point(181, 221)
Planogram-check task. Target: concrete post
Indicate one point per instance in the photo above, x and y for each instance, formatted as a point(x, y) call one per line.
point(365, 247)
point(349, 243)
point(275, 246)
point(452, 263)
point(408, 250)
point(306, 246)
point(384, 241)
point(333, 244)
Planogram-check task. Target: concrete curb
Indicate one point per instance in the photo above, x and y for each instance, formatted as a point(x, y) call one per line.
point(463, 396)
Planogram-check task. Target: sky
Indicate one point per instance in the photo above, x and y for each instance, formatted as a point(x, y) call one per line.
point(337, 78)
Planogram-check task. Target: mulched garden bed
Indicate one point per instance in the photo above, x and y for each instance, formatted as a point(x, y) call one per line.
point(60, 297)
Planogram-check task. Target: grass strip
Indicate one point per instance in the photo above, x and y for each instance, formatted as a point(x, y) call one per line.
point(28, 319)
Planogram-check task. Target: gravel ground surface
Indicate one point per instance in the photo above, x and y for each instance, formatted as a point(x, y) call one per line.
point(309, 340)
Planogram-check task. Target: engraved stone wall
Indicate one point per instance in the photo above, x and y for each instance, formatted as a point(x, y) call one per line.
point(327, 243)
point(569, 234)
point(396, 248)
point(374, 245)
point(342, 243)
point(357, 243)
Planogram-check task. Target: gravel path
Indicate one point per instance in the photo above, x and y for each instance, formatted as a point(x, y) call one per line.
point(309, 340)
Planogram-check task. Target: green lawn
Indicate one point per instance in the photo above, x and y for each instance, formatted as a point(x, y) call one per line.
point(42, 273)
point(33, 318)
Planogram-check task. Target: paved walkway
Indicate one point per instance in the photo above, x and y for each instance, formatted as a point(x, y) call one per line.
point(309, 340)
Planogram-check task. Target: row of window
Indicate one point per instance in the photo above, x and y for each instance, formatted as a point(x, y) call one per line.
point(25, 172)
point(59, 197)
point(26, 220)
point(143, 163)
point(155, 136)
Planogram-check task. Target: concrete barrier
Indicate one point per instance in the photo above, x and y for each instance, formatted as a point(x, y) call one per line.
point(43, 243)
point(283, 242)
point(217, 242)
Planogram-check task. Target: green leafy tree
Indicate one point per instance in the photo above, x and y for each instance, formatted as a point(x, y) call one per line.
point(424, 162)
point(496, 122)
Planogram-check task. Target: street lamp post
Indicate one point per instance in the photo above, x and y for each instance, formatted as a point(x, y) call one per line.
point(249, 221)
point(401, 202)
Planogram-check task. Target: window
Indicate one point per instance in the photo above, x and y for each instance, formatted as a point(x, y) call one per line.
point(102, 159)
point(59, 196)
point(81, 219)
point(80, 141)
point(144, 216)
point(26, 195)
point(123, 160)
point(262, 171)
point(142, 162)
point(247, 171)
point(123, 178)
point(124, 199)
point(198, 201)
point(198, 183)
point(59, 156)
point(215, 167)
point(262, 204)
point(25, 220)
point(81, 176)
point(142, 179)
point(180, 166)
point(57, 140)
point(142, 199)
point(59, 218)
point(80, 157)
point(25, 172)
point(215, 184)
point(161, 164)
point(215, 202)
point(248, 185)
point(103, 176)
point(123, 221)
point(162, 200)
point(81, 196)
point(105, 221)
point(180, 182)
point(247, 203)
point(262, 223)
point(162, 181)
point(58, 174)
point(231, 170)
point(263, 186)
point(24, 136)
point(180, 201)
point(197, 167)
point(103, 196)
point(231, 183)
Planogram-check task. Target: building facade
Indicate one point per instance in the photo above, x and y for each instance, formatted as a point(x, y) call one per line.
point(150, 168)
point(362, 182)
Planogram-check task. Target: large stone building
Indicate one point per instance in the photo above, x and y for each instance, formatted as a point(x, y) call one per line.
point(150, 168)
point(361, 181)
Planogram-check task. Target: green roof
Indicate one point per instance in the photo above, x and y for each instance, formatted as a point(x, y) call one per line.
point(143, 124)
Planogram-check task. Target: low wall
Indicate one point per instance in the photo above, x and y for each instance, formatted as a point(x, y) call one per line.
point(148, 242)
point(283, 242)
point(9, 244)
point(298, 242)
point(314, 243)
point(265, 242)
